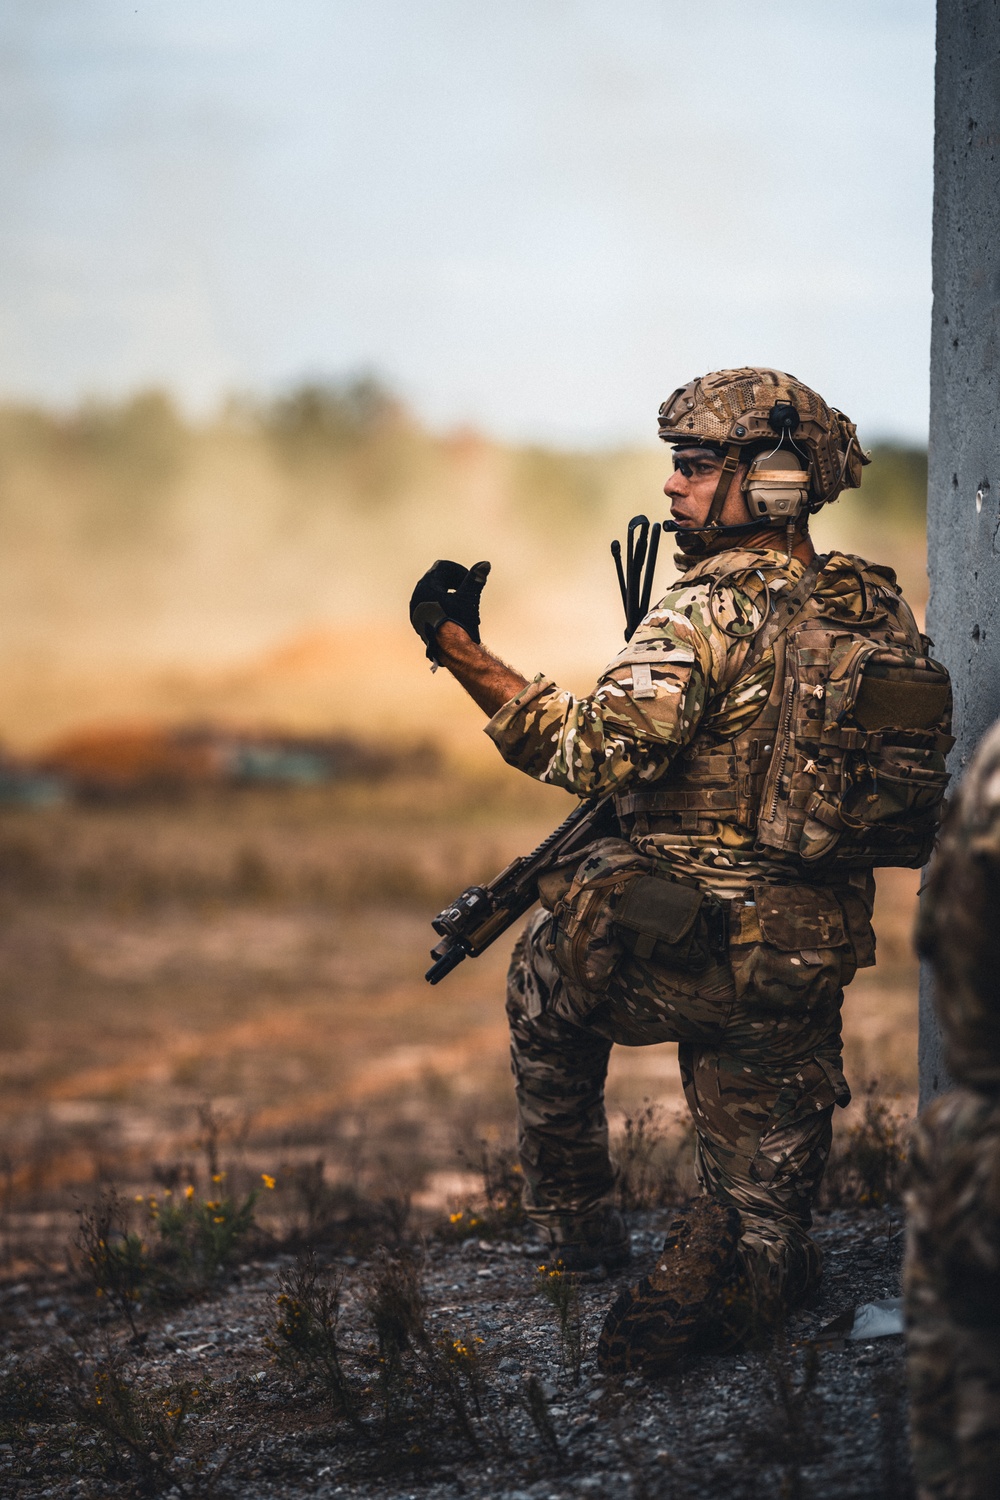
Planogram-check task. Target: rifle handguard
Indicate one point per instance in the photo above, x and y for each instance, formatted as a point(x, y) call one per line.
point(471, 923)
point(477, 917)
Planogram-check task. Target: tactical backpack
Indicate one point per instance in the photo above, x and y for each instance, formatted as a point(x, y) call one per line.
point(844, 767)
point(858, 777)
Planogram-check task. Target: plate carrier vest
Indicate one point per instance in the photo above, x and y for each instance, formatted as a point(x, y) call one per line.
point(844, 767)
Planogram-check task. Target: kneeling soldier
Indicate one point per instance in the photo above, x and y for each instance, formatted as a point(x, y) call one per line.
point(773, 730)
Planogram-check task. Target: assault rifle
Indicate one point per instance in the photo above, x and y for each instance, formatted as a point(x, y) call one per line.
point(477, 917)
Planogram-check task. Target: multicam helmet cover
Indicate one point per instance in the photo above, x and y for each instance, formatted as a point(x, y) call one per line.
point(750, 408)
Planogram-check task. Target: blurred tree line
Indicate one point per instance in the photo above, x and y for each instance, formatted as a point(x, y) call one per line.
point(156, 567)
point(114, 466)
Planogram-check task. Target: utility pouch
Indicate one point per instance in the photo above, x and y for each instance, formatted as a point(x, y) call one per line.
point(584, 902)
point(797, 917)
point(672, 924)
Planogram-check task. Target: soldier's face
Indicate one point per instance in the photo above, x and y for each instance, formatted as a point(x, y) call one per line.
point(691, 489)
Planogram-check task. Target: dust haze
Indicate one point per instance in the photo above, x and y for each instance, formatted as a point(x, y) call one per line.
point(256, 568)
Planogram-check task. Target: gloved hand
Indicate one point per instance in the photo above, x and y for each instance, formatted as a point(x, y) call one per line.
point(447, 591)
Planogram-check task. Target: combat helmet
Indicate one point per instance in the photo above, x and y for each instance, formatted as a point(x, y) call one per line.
point(766, 418)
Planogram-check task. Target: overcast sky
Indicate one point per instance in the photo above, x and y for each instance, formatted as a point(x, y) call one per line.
point(533, 216)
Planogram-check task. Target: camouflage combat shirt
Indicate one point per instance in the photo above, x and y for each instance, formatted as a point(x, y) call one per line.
point(638, 717)
point(958, 928)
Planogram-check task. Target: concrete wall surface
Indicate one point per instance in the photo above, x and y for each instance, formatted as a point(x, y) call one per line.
point(964, 482)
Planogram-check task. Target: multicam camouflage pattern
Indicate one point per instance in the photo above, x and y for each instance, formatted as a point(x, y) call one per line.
point(952, 1286)
point(759, 1029)
point(760, 1064)
point(680, 671)
point(734, 407)
point(682, 682)
point(952, 1279)
point(958, 928)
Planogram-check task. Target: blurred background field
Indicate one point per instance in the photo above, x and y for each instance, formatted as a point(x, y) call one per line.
point(233, 794)
point(254, 569)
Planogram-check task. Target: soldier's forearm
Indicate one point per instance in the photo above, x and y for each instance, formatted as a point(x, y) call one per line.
point(486, 679)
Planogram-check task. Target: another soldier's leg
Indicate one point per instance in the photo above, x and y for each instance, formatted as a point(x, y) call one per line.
point(559, 1070)
point(952, 1288)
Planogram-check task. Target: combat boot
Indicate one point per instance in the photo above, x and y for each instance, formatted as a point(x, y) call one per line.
point(675, 1309)
point(602, 1242)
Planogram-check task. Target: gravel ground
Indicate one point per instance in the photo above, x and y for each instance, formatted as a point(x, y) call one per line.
point(815, 1417)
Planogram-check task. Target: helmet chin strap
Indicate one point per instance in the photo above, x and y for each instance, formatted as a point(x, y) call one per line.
point(698, 539)
point(681, 530)
point(729, 466)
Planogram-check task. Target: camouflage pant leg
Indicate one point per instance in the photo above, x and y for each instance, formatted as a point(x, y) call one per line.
point(764, 1106)
point(763, 1148)
point(760, 1053)
point(559, 1071)
point(952, 1289)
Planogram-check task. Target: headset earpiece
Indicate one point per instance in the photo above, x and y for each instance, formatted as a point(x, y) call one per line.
point(777, 487)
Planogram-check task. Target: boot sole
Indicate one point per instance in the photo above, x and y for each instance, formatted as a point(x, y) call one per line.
point(651, 1325)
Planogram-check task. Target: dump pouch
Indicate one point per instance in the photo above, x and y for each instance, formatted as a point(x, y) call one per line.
point(611, 904)
point(583, 901)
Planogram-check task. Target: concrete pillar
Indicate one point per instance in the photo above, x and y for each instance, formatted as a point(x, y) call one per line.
point(963, 543)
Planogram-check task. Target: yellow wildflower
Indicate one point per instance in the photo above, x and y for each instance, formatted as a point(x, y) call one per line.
point(189, 1192)
point(267, 1180)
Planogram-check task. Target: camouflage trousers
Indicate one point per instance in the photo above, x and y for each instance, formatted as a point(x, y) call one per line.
point(952, 1287)
point(760, 1059)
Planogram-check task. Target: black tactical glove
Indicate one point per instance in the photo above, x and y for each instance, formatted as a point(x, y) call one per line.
point(447, 591)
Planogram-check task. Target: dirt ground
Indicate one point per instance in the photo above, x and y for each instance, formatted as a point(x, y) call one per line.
point(526, 1416)
point(233, 985)
point(263, 954)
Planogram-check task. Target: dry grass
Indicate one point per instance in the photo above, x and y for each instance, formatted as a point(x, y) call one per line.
point(266, 951)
